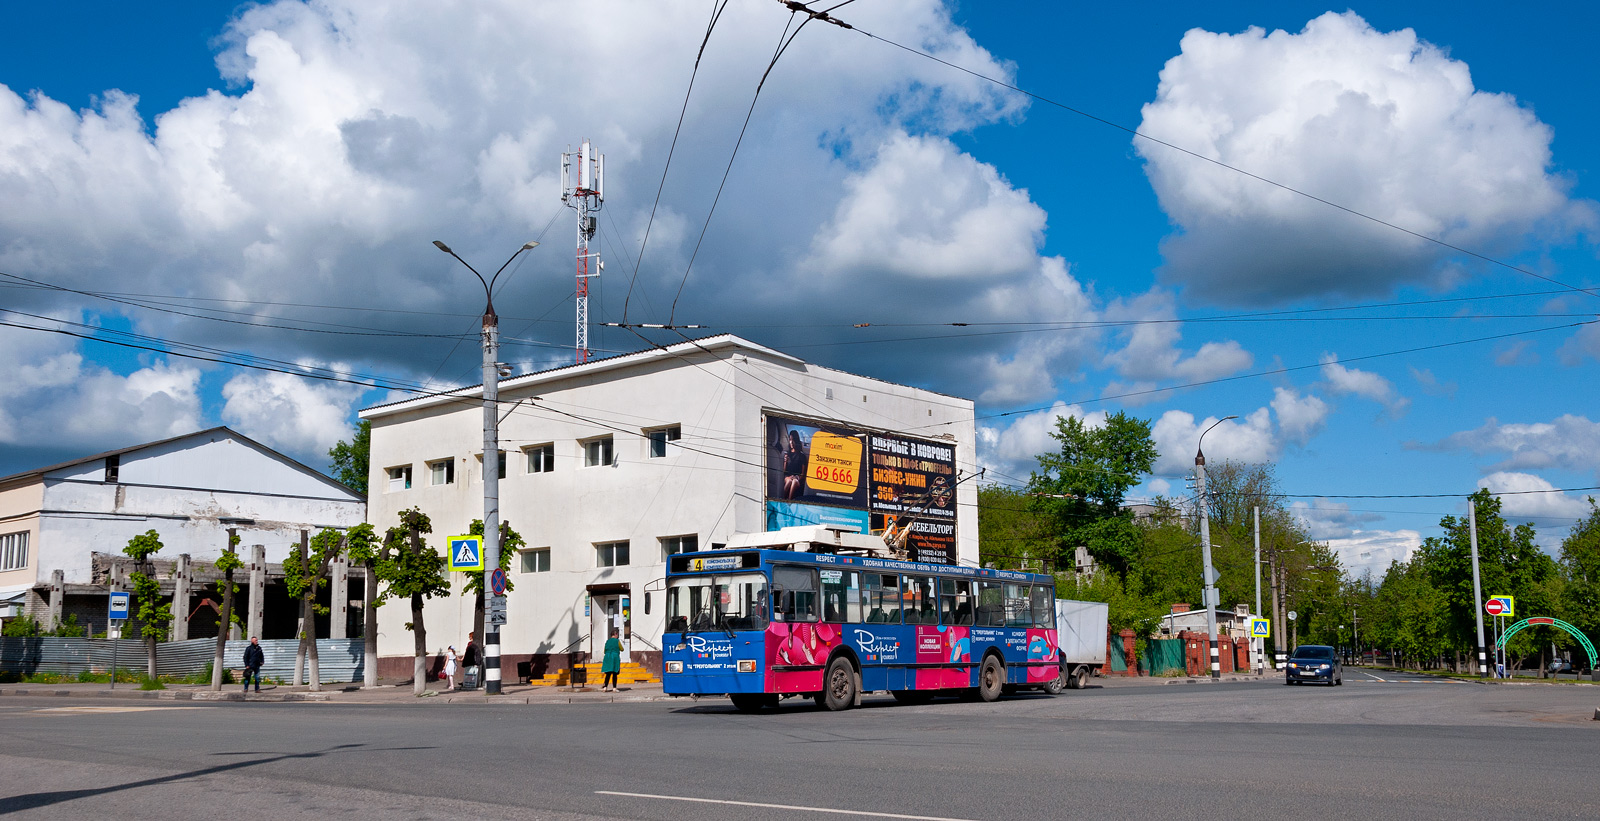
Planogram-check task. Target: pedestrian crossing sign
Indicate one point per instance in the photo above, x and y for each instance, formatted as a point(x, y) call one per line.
point(1261, 628)
point(466, 553)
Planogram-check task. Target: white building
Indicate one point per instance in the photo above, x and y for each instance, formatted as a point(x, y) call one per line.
point(63, 527)
point(612, 465)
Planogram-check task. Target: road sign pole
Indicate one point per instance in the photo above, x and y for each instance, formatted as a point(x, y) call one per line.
point(1477, 591)
point(1260, 645)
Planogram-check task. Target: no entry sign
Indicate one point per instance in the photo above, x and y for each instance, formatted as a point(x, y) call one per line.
point(1494, 607)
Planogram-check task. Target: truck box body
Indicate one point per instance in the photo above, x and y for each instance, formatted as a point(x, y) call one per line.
point(1081, 631)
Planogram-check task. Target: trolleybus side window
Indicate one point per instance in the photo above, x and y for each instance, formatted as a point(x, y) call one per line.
point(794, 594)
point(917, 596)
point(841, 596)
point(880, 597)
point(1017, 606)
point(1044, 608)
point(991, 604)
point(955, 601)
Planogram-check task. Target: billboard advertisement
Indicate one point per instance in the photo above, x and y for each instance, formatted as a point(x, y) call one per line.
point(913, 485)
point(810, 463)
point(822, 473)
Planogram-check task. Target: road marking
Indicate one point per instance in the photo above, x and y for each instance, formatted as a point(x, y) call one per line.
point(112, 709)
point(778, 806)
point(1371, 676)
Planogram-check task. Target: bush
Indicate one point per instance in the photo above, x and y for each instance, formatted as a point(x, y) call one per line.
point(148, 683)
point(204, 676)
point(25, 628)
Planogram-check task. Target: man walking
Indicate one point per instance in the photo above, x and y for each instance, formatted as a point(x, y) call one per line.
point(254, 659)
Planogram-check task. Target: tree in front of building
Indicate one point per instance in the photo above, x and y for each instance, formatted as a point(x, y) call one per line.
point(155, 616)
point(363, 548)
point(409, 569)
point(228, 562)
point(510, 542)
point(352, 459)
point(304, 572)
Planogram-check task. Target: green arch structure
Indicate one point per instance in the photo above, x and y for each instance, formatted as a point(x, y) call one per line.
point(1546, 621)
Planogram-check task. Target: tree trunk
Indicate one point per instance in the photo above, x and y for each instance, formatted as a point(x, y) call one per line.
point(150, 650)
point(224, 626)
point(369, 635)
point(419, 672)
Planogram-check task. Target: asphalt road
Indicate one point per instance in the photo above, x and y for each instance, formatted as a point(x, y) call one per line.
point(1381, 749)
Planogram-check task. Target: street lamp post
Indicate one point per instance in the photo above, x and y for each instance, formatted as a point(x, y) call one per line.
point(1209, 592)
point(494, 603)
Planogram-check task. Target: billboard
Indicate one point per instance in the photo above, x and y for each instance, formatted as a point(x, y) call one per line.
point(913, 484)
point(822, 473)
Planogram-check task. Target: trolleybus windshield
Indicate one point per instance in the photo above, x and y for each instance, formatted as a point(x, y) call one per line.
point(723, 602)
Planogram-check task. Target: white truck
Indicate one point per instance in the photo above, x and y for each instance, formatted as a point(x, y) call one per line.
point(1081, 637)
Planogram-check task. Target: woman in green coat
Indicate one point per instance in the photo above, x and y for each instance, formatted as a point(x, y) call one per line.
point(611, 665)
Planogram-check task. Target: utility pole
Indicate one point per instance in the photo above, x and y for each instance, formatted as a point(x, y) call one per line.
point(1260, 647)
point(1277, 611)
point(494, 603)
point(1477, 591)
point(1209, 591)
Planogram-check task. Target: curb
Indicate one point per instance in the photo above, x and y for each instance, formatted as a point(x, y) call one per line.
point(166, 695)
point(1209, 680)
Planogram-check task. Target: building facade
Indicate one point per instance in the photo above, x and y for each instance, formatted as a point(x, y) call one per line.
point(612, 465)
point(63, 527)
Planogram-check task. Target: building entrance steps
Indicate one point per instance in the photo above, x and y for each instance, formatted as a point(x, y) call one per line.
point(632, 673)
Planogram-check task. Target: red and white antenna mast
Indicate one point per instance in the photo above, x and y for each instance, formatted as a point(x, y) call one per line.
point(585, 195)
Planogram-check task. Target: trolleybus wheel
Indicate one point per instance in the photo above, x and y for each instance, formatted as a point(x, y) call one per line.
point(839, 685)
point(912, 696)
point(991, 679)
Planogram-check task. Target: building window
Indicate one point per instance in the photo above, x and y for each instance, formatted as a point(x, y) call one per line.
point(673, 545)
point(479, 474)
point(113, 468)
point(597, 452)
point(14, 551)
point(660, 437)
point(442, 472)
point(536, 561)
point(400, 478)
point(611, 554)
point(541, 458)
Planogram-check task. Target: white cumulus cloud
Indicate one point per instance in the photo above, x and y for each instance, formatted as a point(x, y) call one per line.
point(1380, 122)
point(1299, 417)
point(1013, 449)
point(1568, 442)
point(1151, 353)
point(1365, 384)
point(301, 417)
point(1249, 439)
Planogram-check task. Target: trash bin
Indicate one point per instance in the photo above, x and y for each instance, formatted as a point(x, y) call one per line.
point(469, 681)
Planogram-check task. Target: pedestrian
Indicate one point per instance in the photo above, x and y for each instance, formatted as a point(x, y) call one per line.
point(611, 664)
point(254, 659)
point(450, 667)
point(469, 661)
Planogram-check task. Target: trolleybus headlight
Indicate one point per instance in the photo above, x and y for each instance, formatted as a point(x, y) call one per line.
point(674, 666)
point(747, 666)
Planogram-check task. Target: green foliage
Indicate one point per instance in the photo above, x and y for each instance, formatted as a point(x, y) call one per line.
point(23, 628)
point(70, 628)
point(352, 460)
point(406, 566)
point(510, 542)
point(1580, 567)
point(1011, 533)
point(304, 573)
point(1081, 487)
point(148, 683)
point(155, 615)
point(361, 544)
point(204, 676)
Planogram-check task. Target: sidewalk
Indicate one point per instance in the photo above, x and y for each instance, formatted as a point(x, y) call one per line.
point(390, 692)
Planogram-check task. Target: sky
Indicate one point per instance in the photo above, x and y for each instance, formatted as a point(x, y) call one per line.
point(1370, 233)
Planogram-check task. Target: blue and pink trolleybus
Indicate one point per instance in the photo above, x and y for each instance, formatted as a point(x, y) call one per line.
point(832, 615)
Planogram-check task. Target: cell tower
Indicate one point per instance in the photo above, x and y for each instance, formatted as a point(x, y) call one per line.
point(585, 195)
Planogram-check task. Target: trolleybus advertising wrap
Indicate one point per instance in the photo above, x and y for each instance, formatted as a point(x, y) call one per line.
point(759, 624)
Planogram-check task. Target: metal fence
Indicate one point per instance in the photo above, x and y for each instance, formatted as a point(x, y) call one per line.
point(338, 659)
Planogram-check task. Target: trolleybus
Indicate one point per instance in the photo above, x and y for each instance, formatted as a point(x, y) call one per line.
point(829, 615)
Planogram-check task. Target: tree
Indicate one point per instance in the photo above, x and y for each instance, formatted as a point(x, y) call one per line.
point(510, 542)
point(410, 569)
point(147, 591)
point(352, 460)
point(226, 563)
point(1012, 534)
point(1580, 569)
point(1081, 487)
point(362, 547)
point(304, 572)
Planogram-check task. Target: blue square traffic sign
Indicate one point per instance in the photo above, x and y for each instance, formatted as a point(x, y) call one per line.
point(118, 608)
point(466, 553)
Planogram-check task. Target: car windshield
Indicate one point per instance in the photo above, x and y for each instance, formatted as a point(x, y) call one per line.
point(732, 602)
point(1313, 653)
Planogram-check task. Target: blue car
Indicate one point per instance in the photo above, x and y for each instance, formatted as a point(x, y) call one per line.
point(1314, 662)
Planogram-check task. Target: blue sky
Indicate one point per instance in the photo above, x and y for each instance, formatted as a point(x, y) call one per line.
point(295, 161)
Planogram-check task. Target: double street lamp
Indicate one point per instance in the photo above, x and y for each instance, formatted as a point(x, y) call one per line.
point(495, 603)
point(1209, 592)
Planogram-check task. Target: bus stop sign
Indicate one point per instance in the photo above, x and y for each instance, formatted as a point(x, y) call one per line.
point(118, 607)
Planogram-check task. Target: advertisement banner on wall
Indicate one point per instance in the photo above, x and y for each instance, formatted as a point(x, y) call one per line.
point(811, 463)
point(790, 514)
point(913, 484)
